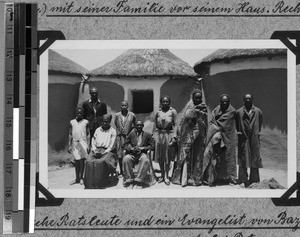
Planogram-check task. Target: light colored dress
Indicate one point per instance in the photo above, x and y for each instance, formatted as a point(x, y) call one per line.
point(165, 130)
point(79, 143)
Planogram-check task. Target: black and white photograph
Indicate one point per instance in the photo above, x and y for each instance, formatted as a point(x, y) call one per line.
point(167, 118)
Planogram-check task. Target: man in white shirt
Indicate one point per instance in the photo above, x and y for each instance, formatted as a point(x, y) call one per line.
point(102, 161)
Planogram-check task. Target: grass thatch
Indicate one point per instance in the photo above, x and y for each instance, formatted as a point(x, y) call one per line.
point(146, 62)
point(231, 54)
point(59, 63)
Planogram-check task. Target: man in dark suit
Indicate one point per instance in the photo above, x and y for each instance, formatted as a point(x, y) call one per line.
point(137, 144)
point(93, 110)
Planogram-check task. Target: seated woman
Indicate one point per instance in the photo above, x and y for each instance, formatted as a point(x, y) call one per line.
point(191, 143)
point(102, 161)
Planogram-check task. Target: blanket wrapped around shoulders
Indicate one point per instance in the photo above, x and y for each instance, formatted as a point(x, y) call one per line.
point(191, 144)
point(220, 162)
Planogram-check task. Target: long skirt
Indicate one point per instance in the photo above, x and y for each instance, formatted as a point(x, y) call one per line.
point(98, 170)
point(164, 153)
point(120, 139)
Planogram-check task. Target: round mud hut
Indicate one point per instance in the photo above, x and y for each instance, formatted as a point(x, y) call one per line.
point(65, 77)
point(142, 76)
point(261, 72)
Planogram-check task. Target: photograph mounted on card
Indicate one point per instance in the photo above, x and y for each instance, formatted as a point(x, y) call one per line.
point(167, 118)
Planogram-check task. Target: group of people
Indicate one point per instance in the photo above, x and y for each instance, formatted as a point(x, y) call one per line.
point(202, 150)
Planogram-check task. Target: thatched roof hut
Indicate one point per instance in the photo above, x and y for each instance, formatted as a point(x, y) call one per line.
point(227, 55)
point(146, 62)
point(64, 77)
point(60, 64)
point(261, 72)
point(142, 76)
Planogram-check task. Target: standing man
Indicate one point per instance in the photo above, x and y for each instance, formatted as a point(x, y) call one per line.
point(248, 124)
point(137, 144)
point(124, 122)
point(93, 110)
point(222, 134)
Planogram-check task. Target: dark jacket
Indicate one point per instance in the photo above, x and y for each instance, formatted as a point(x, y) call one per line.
point(249, 127)
point(132, 141)
point(95, 119)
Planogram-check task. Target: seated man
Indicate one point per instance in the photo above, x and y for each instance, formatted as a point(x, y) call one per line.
point(102, 162)
point(136, 145)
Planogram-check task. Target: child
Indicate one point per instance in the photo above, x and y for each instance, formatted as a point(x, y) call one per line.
point(79, 138)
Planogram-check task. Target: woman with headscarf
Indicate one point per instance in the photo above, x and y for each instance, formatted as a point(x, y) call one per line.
point(165, 136)
point(191, 143)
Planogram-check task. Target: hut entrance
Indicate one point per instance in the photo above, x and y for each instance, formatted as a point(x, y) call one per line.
point(142, 101)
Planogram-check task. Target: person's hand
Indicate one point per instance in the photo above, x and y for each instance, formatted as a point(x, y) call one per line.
point(197, 110)
point(218, 135)
point(105, 152)
point(173, 140)
point(137, 151)
point(141, 148)
point(69, 149)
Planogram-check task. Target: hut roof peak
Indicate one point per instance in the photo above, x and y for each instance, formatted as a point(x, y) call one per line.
point(145, 62)
point(60, 63)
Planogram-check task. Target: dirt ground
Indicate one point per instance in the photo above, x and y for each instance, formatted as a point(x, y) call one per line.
point(60, 178)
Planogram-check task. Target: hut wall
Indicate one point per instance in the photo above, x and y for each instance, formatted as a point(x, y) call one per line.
point(133, 84)
point(247, 64)
point(110, 92)
point(179, 90)
point(63, 78)
point(84, 93)
point(62, 103)
point(268, 86)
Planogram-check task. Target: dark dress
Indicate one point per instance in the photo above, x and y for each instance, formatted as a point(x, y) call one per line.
point(98, 170)
point(123, 128)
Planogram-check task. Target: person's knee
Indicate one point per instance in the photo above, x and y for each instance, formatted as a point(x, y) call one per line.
point(127, 159)
point(144, 158)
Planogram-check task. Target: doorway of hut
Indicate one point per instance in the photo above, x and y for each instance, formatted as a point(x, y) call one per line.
point(142, 101)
